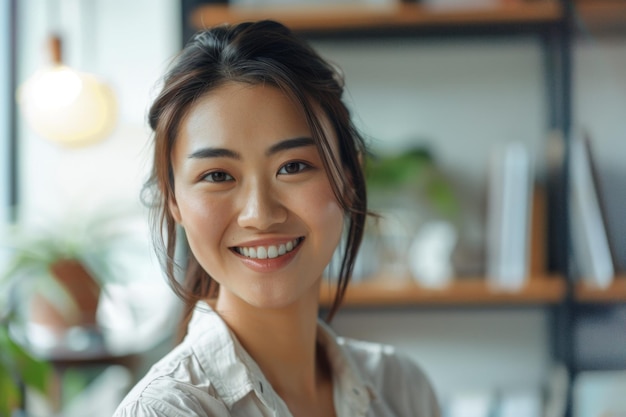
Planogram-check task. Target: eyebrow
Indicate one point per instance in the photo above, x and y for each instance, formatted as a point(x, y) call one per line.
point(289, 144)
point(214, 153)
point(227, 153)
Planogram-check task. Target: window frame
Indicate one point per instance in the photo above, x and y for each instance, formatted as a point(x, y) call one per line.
point(8, 113)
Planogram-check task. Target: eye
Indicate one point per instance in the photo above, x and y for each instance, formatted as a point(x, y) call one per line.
point(293, 168)
point(217, 176)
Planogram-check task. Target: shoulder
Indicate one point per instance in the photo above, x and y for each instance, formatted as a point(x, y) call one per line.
point(387, 369)
point(380, 362)
point(174, 386)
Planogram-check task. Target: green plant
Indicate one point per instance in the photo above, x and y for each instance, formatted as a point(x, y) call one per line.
point(34, 249)
point(414, 171)
point(18, 369)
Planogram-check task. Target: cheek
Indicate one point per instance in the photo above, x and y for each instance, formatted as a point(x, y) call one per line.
point(335, 218)
point(332, 214)
point(203, 219)
point(325, 214)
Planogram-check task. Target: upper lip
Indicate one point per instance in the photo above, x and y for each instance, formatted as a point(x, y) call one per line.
point(266, 242)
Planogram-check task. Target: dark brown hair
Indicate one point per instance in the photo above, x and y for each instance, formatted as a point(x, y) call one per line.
point(261, 52)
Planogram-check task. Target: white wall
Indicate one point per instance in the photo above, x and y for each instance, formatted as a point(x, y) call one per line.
point(459, 97)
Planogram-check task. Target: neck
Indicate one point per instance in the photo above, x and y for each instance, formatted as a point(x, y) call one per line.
point(281, 340)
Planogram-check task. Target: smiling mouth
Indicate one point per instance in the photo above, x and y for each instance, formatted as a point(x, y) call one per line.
point(268, 252)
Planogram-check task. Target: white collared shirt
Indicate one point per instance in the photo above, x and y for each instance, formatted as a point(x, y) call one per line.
point(210, 374)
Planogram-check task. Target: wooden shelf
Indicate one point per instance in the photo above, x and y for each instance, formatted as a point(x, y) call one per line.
point(601, 16)
point(388, 292)
point(364, 17)
point(616, 293)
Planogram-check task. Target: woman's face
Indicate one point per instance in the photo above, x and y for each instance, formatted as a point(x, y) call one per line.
point(253, 197)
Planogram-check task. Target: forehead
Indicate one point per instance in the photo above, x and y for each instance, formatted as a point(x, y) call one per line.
point(236, 110)
point(239, 115)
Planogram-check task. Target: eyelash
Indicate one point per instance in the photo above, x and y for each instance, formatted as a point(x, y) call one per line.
point(302, 166)
point(210, 177)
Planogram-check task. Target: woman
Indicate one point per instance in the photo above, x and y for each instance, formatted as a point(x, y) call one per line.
point(256, 159)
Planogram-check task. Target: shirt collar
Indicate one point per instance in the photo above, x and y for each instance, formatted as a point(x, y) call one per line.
point(234, 373)
point(347, 378)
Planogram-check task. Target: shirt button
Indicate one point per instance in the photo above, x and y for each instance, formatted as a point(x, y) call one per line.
point(261, 387)
point(356, 391)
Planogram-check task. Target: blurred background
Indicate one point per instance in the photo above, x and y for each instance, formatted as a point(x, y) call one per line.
point(445, 94)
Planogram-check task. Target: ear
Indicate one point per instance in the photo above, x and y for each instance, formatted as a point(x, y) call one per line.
point(174, 210)
point(361, 157)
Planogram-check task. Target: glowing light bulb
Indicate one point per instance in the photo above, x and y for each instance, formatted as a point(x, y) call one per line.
point(68, 107)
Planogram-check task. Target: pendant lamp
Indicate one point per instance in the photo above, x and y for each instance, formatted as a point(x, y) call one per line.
point(65, 106)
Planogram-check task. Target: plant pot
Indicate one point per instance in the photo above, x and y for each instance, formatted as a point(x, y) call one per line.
point(80, 304)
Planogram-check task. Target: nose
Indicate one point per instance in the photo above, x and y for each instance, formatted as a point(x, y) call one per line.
point(261, 208)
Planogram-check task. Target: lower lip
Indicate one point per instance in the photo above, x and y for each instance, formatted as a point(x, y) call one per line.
point(269, 264)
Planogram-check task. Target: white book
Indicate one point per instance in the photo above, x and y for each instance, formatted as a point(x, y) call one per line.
point(599, 393)
point(508, 217)
point(589, 238)
point(520, 403)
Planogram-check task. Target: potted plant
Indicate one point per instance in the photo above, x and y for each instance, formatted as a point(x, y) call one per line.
point(419, 212)
point(58, 274)
point(415, 176)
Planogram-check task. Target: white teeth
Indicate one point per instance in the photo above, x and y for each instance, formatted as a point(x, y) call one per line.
point(265, 252)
